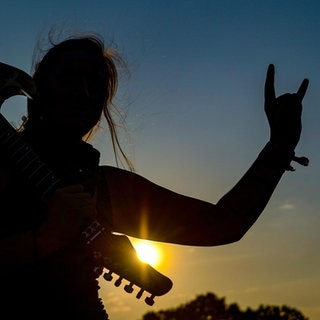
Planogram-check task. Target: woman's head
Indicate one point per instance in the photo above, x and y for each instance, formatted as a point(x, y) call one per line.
point(77, 80)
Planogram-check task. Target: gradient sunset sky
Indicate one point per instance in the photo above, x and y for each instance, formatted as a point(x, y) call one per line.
point(193, 103)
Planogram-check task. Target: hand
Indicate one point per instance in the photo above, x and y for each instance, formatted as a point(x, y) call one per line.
point(284, 113)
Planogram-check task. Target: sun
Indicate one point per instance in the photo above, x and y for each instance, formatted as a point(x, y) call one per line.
point(148, 252)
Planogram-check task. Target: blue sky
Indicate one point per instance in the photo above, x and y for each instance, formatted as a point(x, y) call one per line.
point(194, 112)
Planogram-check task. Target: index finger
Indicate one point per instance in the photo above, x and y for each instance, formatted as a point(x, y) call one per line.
point(303, 89)
point(269, 92)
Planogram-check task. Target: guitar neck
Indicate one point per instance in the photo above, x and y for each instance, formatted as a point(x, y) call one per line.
point(26, 160)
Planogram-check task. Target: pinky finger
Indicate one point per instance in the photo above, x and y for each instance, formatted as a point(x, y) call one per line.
point(303, 89)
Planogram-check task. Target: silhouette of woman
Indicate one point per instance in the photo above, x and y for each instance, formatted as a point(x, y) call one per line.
point(46, 272)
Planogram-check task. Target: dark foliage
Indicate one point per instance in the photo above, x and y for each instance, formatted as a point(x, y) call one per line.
point(210, 307)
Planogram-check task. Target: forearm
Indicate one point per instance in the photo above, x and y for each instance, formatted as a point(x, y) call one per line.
point(249, 197)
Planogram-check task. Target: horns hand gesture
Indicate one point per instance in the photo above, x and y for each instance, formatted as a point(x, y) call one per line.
point(284, 112)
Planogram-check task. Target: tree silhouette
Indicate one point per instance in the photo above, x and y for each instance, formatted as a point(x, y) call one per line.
point(210, 307)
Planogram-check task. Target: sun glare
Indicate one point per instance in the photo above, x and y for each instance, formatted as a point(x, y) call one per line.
point(148, 252)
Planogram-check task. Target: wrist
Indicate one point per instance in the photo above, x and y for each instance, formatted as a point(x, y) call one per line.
point(277, 156)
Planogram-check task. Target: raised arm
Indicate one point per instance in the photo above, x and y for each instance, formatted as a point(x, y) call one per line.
point(143, 209)
point(251, 194)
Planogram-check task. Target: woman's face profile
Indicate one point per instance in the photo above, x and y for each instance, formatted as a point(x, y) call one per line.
point(74, 91)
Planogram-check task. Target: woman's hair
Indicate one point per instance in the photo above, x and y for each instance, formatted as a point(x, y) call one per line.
point(111, 58)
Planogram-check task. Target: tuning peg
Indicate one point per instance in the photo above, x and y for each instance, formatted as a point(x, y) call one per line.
point(118, 282)
point(108, 276)
point(149, 300)
point(129, 287)
point(139, 294)
point(97, 271)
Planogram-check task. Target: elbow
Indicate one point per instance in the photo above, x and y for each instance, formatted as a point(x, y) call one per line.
point(234, 237)
point(237, 231)
point(224, 236)
point(229, 238)
point(232, 228)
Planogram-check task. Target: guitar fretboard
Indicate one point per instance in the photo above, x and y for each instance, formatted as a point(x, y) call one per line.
point(26, 160)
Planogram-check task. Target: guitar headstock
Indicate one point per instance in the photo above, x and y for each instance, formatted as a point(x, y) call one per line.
point(116, 254)
point(14, 81)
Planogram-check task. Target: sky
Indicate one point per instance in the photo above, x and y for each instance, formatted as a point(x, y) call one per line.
point(193, 105)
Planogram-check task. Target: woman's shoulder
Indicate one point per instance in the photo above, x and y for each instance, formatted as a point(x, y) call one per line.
point(113, 172)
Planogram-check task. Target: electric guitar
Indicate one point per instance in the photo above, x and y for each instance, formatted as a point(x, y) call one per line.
point(117, 254)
